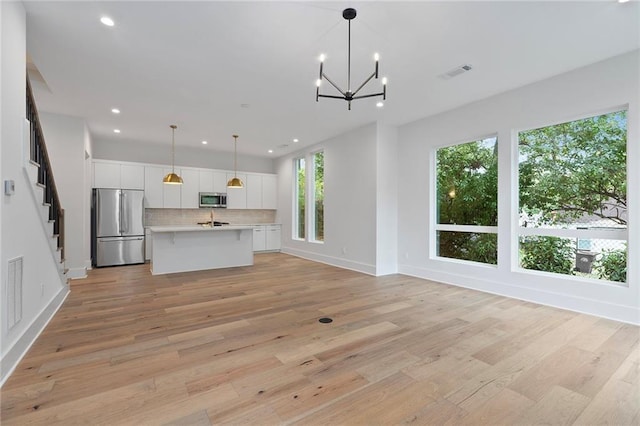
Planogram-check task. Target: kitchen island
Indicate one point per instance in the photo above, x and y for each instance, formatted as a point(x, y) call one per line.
point(195, 248)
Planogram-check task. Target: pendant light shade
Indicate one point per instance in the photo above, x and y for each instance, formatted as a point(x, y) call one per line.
point(235, 182)
point(172, 178)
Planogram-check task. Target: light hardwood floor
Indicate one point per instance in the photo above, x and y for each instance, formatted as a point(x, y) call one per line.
point(244, 346)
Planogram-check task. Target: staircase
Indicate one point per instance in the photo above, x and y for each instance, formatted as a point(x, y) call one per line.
point(38, 169)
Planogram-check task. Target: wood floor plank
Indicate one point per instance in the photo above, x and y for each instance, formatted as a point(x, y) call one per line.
point(244, 346)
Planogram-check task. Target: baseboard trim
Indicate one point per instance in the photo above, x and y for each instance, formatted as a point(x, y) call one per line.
point(599, 308)
point(13, 357)
point(333, 261)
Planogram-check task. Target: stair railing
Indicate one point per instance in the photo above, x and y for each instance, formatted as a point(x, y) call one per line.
point(40, 157)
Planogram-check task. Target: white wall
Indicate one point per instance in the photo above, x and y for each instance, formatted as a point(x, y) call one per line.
point(22, 234)
point(583, 92)
point(349, 203)
point(387, 200)
point(66, 140)
point(141, 152)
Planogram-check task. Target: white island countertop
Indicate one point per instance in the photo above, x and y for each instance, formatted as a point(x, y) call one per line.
point(192, 228)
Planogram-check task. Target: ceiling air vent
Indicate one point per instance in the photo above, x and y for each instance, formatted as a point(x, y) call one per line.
point(456, 71)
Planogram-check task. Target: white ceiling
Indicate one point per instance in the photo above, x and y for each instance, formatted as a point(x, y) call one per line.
point(195, 63)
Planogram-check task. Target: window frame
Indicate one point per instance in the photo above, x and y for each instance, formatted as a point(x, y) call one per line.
point(433, 201)
point(520, 231)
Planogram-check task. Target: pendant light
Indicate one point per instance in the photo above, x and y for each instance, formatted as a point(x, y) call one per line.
point(172, 178)
point(235, 182)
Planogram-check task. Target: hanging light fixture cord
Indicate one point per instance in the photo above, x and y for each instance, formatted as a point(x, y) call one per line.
point(235, 155)
point(173, 147)
point(349, 14)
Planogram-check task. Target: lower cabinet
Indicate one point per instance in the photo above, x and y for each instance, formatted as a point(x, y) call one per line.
point(266, 238)
point(259, 238)
point(273, 237)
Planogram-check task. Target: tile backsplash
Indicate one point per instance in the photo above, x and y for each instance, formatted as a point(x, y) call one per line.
point(160, 217)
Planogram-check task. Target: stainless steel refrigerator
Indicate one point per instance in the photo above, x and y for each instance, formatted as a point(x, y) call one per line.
point(117, 223)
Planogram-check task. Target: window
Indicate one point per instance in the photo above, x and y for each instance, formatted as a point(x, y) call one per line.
point(318, 196)
point(467, 201)
point(299, 198)
point(573, 198)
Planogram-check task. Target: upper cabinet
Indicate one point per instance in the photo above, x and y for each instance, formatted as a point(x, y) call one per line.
point(259, 190)
point(219, 181)
point(269, 192)
point(118, 176)
point(254, 191)
point(206, 181)
point(190, 189)
point(131, 176)
point(237, 197)
point(153, 187)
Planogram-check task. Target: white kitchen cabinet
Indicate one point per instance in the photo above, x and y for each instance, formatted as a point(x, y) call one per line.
point(118, 176)
point(220, 181)
point(269, 192)
point(131, 176)
point(206, 181)
point(153, 187)
point(171, 193)
point(106, 175)
point(254, 191)
point(148, 244)
point(273, 237)
point(190, 188)
point(237, 197)
point(259, 238)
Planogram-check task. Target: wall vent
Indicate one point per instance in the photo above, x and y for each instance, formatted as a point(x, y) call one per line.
point(456, 71)
point(14, 292)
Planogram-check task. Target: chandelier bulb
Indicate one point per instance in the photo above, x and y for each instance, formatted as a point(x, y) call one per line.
point(376, 57)
point(322, 57)
point(384, 81)
point(318, 82)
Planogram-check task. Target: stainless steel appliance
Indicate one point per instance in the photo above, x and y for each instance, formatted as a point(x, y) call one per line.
point(217, 200)
point(117, 229)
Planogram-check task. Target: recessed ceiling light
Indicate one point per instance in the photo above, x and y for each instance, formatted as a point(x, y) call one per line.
point(622, 1)
point(116, 130)
point(270, 151)
point(380, 104)
point(107, 21)
point(115, 110)
point(295, 140)
point(204, 142)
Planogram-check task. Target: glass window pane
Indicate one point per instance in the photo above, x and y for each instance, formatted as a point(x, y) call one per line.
point(601, 259)
point(318, 174)
point(467, 183)
point(299, 199)
point(477, 247)
point(573, 175)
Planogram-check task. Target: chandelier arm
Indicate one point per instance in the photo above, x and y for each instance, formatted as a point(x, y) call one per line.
point(368, 96)
point(365, 82)
point(333, 84)
point(332, 96)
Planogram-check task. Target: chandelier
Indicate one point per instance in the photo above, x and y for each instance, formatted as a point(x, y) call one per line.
point(349, 95)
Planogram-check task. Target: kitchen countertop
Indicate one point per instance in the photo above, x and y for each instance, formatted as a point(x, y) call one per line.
point(163, 228)
point(192, 228)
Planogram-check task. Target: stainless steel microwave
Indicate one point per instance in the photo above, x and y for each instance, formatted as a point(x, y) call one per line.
point(216, 200)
